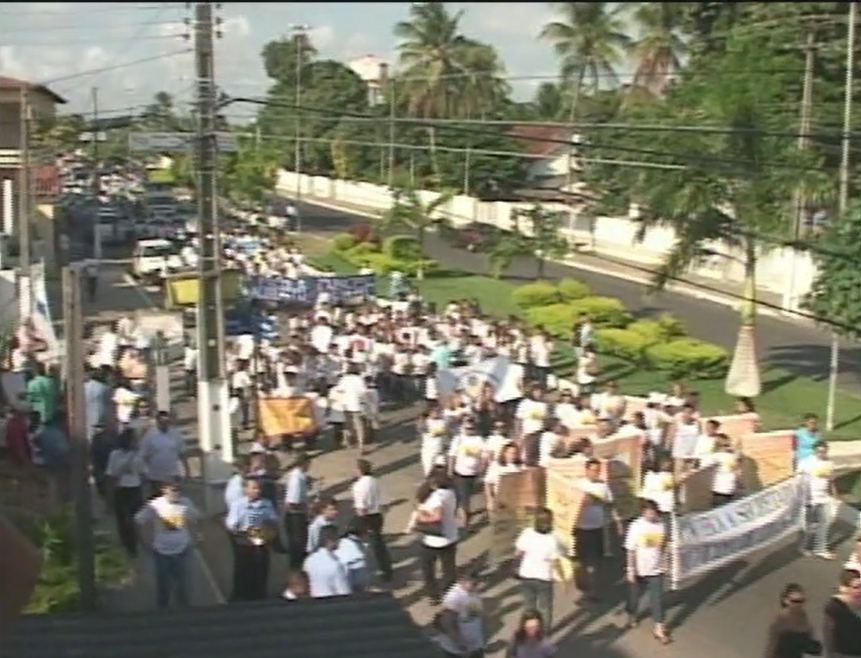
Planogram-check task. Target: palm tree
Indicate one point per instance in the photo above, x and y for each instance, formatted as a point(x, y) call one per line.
point(410, 212)
point(660, 45)
point(441, 68)
point(590, 42)
point(729, 191)
point(549, 101)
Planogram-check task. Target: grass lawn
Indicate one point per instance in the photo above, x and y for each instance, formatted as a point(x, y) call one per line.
point(785, 397)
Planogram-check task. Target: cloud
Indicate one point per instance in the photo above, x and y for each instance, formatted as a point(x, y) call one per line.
point(322, 37)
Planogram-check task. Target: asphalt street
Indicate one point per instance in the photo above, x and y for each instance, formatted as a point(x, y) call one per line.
point(798, 348)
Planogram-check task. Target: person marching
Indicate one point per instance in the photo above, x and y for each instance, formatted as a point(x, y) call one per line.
point(252, 522)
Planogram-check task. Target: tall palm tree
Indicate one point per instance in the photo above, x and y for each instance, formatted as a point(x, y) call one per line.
point(590, 40)
point(441, 68)
point(660, 46)
point(549, 101)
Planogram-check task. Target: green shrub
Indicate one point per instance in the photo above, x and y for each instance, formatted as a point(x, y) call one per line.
point(557, 319)
point(384, 264)
point(623, 343)
point(667, 327)
point(343, 242)
point(688, 358)
point(604, 311)
point(535, 294)
point(402, 247)
point(571, 289)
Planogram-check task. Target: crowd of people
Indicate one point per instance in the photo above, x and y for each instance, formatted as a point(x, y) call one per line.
point(470, 434)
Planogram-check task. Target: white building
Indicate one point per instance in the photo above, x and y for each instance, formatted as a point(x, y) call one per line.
point(551, 150)
point(374, 72)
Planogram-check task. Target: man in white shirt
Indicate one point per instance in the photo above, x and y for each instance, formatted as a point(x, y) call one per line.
point(369, 506)
point(437, 514)
point(352, 390)
point(645, 543)
point(540, 554)
point(162, 449)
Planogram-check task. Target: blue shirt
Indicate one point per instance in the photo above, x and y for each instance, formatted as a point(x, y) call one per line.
point(314, 529)
point(442, 356)
point(53, 446)
point(805, 440)
point(244, 514)
point(296, 490)
point(326, 575)
point(96, 401)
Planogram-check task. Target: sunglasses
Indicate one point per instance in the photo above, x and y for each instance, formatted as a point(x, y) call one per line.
point(796, 600)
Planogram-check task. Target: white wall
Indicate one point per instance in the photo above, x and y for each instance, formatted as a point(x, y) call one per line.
point(613, 236)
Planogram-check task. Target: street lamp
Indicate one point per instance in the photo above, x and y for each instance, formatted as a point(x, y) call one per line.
point(300, 33)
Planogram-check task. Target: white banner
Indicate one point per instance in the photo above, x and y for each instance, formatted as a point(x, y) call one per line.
point(705, 541)
point(471, 379)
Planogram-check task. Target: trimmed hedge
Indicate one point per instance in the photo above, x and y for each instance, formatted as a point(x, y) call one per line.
point(688, 358)
point(660, 344)
point(604, 311)
point(535, 294)
point(343, 242)
point(571, 290)
point(402, 247)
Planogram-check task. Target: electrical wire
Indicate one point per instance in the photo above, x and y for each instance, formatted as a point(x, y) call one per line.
point(34, 10)
point(115, 67)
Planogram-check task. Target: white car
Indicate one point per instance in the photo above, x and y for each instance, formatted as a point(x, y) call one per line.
point(154, 259)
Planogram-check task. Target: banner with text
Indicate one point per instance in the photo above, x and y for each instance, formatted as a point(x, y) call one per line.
point(307, 289)
point(705, 541)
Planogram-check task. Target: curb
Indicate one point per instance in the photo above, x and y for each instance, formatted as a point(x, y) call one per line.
point(205, 571)
point(687, 291)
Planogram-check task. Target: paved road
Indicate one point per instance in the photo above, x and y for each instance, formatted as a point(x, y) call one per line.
point(800, 349)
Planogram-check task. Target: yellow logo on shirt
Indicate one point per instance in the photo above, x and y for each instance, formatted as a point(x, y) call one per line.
point(471, 451)
point(823, 471)
point(667, 482)
point(652, 539)
point(174, 520)
point(536, 414)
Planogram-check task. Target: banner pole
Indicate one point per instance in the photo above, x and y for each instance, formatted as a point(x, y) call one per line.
point(674, 554)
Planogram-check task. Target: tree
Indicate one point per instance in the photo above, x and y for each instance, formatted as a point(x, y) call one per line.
point(660, 46)
point(410, 212)
point(544, 229)
point(590, 42)
point(729, 188)
point(835, 296)
point(549, 102)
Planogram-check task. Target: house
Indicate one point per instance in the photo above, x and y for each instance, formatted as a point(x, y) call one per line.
point(360, 626)
point(374, 72)
point(551, 150)
point(43, 101)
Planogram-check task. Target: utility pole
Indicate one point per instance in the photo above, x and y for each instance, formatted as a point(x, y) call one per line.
point(790, 301)
point(25, 207)
point(843, 197)
point(390, 86)
point(300, 34)
point(212, 396)
point(73, 322)
point(94, 136)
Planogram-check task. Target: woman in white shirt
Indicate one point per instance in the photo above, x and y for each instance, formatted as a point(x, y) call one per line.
point(659, 486)
point(434, 436)
point(587, 370)
point(727, 470)
point(436, 521)
point(508, 461)
point(645, 543)
point(466, 464)
point(540, 554)
point(818, 471)
point(125, 470)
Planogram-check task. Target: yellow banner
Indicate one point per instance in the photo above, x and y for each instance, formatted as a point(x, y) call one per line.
point(280, 416)
point(184, 289)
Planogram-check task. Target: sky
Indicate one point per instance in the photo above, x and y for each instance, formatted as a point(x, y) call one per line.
point(129, 51)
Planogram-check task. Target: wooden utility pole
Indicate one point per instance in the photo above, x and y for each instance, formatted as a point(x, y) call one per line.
point(73, 322)
point(25, 208)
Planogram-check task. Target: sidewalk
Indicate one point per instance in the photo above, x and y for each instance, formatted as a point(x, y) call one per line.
point(697, 286)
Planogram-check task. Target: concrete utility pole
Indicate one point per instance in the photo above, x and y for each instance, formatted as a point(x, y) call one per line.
point(212, 395)
point(392, 91)
point(94, 137)
point(25, 208)
point(74, 326)
point(790, 297)
point(843, 197)
point(300, 34)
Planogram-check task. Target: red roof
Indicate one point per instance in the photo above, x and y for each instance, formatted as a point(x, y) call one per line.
point(533, 137)
point(14, 84)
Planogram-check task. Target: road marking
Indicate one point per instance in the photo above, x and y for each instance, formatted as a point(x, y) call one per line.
point(208, 576)
point(141, 291)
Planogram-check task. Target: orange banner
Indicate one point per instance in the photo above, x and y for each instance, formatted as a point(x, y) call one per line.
point(767, 458)
point(280, 416)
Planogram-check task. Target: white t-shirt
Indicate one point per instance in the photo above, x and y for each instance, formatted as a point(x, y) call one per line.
point(532, 415)
point(511, 387)
point(725, 480)
point(161, 453)
point(593, 513)
point(352, 392)
point(496, 470)
point(466, 451)
point(467, 606)
point(540, 552)
point(443, 500)
point(659, 487)
point(685, 439)
point(819, 474)
point(646, 540)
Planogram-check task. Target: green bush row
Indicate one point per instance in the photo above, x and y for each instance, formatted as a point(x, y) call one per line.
point(398, 253)
point(660, 344)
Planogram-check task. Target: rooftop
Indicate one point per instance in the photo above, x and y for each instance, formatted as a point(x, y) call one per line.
point(534, 138)
point(16, 84)
point(367, 626)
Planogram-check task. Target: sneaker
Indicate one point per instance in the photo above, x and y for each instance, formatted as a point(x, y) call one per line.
point(825, 555)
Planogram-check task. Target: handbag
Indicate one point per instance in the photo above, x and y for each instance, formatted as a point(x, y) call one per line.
point(429, 528)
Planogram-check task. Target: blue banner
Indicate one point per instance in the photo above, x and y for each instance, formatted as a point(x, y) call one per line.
point(306, 289)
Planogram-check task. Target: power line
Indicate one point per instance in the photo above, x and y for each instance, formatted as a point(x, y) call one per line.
point(36, 11)
point(115, 67)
